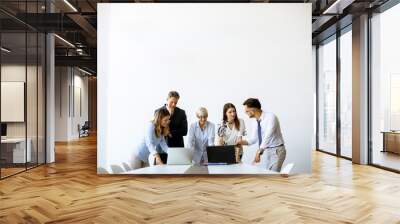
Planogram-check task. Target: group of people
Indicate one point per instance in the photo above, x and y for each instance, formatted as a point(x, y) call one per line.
point(169, 126)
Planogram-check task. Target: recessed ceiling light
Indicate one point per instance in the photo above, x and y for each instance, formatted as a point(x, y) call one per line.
point(64, 40)
point(337, 7)
point(5, 50)
point(84, 71)
point(70, 5)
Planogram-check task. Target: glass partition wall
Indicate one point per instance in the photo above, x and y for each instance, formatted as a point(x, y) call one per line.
point(334, 80)
point(22, 77)
point(327, 95)
point(385, 89)
point(345, 61)
point(334, 111)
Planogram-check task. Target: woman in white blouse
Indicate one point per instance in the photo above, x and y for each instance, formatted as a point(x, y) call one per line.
point(231, 129)
point(201, 135)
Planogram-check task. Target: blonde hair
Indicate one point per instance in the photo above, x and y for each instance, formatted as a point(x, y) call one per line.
point(158, 116)
point(201, 112)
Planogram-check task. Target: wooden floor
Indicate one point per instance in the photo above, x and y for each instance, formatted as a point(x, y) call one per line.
point(386, 159)
point(5, 172)
point(69, 191)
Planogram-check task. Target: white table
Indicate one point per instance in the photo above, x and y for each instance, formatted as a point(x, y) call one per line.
point(18, 145)
point(211, 169)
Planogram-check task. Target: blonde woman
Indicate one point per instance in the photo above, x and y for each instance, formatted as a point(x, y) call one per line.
point(153, 148)
point(201, 135)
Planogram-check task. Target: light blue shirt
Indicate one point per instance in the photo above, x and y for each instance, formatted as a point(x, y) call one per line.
point(151, 144)
point(199, 140)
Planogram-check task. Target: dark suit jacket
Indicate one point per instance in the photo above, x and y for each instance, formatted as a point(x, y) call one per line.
point(178, 128)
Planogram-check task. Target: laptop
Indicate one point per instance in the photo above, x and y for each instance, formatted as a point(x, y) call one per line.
point(221, 155)
point(180, 156)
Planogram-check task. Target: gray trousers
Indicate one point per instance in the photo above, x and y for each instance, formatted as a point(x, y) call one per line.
point(275, 158)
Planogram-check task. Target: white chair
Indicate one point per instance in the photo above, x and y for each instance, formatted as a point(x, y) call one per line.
point(101, 170)
point(285, 171)
point(117, 169)
point(135, 162)
point(127, 167)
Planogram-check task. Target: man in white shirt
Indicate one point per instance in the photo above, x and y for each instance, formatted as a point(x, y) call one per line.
point(268, 135)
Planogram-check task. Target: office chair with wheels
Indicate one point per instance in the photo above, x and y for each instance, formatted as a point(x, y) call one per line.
point(84, 130)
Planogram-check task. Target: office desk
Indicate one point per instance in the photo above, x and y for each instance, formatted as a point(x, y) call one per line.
point(391, 141)
point(13, 150)
point(211, 169)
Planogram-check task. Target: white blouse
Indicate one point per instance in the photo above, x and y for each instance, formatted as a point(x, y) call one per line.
point(231, 135)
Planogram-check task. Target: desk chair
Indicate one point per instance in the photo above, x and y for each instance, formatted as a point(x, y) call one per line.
point(117, 169)
point(127, 167)
point(101, 170)
point(285, 171)
point(84, 130)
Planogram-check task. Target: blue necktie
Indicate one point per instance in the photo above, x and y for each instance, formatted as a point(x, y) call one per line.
point(259, 132)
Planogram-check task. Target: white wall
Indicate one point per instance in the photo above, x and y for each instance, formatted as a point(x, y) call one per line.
point(68, 82)
point(211, 54)
point(18, 73)
point(33, 127)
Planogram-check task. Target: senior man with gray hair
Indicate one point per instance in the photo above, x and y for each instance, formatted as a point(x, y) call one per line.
point(178, 125)
point(201, 135)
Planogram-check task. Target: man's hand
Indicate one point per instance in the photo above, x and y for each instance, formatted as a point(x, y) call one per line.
point(158, 160)
point(221, 141)
point(257, 157)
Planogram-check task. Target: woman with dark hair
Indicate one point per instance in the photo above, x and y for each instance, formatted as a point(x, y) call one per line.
point(153, 147)
point(231, 129)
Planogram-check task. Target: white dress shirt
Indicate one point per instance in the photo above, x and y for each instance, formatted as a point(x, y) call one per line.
point(231, 135)
point(270, 131)
point(199, 139)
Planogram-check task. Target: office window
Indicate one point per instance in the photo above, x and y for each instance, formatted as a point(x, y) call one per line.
point(385, 87)
point(346, 94)
point(327, 96)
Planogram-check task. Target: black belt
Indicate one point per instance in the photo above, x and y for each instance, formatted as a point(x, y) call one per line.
point(262, 151)
point(275, 146)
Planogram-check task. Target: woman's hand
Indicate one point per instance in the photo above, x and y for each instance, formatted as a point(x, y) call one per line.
point(158, 160)
point(221, 141)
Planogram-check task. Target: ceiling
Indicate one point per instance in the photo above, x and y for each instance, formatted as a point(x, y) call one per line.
point(76, 22)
